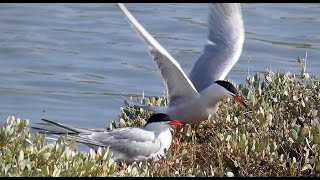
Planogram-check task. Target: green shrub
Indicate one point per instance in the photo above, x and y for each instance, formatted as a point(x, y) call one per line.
point(22, 155)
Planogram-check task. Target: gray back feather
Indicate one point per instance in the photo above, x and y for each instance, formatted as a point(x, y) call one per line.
point(125, 143)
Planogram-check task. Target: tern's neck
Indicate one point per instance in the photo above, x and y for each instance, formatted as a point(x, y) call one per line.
point(212, 94)
point(162, 133)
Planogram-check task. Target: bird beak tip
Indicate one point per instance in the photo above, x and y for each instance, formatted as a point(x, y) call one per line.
point(238, 98)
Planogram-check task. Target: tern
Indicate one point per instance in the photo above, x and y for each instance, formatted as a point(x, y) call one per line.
point(128, 144)
point(192, 99)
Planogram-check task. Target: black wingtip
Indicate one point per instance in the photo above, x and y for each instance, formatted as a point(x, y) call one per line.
point(46, 120)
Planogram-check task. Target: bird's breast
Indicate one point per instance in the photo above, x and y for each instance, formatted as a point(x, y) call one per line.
point(165, 139)
point(192, 112)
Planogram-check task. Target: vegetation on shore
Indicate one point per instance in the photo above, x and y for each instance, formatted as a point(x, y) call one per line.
point(278, 135)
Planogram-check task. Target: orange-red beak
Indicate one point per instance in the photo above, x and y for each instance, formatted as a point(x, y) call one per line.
point(238, 98)
point(175, 123)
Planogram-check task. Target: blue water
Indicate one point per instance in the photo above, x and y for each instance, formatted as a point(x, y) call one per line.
point(70, 62)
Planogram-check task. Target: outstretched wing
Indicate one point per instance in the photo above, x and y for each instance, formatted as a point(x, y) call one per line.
point(178, 84)
point(225, 40)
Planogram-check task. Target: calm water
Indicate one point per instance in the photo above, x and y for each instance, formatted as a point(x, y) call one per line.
point(68, 62)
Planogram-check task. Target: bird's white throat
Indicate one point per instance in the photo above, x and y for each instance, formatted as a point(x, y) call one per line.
point(161, 132)
point(213, 94)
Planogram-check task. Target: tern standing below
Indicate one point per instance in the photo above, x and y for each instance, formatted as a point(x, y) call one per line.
point(127, 144)
point(192, 100)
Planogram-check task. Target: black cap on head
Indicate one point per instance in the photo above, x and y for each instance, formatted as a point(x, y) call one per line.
point(159, 117)
point(228, 86)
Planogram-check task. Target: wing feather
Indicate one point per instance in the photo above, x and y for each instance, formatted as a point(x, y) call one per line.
point(225, 41)
point(178, 85)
